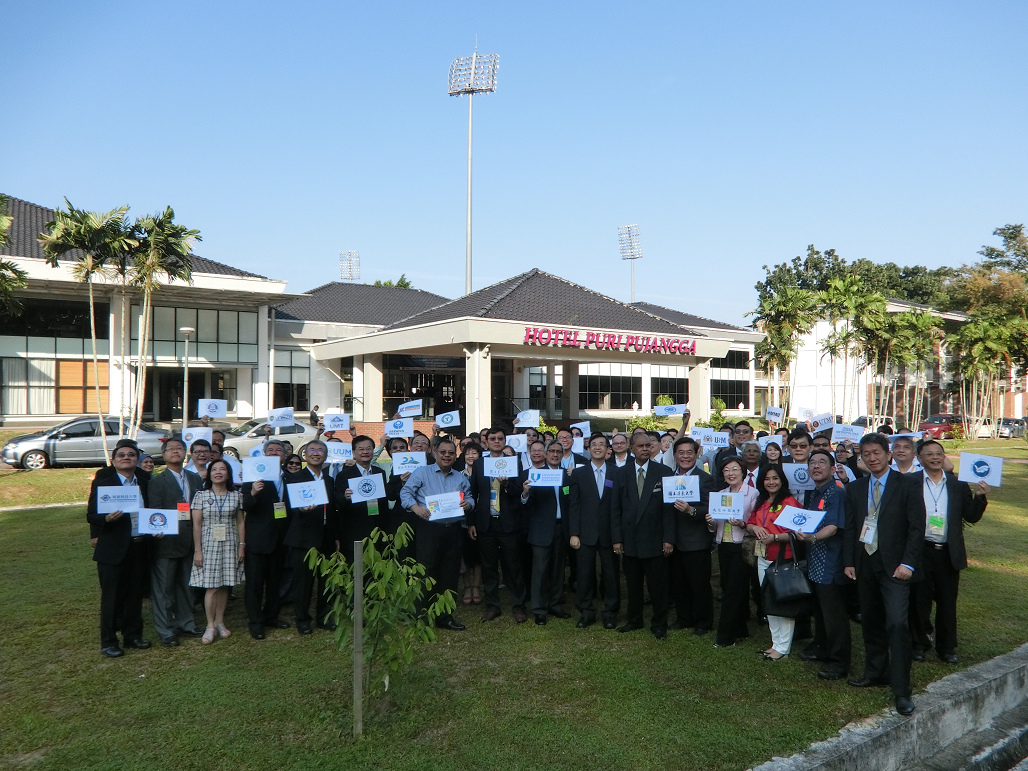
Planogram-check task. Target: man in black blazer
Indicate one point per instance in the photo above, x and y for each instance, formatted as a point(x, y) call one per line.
point(120, 558)
point(357, 520)
point(547, 512)
point(949, 503)
point(643, 530)
point(885, 520)
point(594, 489)
point(171, 597)
point(265, 508)
point(690, 565)
point(310, 527)
point(496, 526)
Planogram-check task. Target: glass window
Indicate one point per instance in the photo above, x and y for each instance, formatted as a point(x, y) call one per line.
point(248, 327)
point(163, 323)
point(733, 360)
point(207, 326)
point(675, 388)
point(734, 393)
point(228, 352)
point(282, 358)
point(81, 429)
point(301, 359)
point(185, 317)
point(248, 354)
point(228, 327)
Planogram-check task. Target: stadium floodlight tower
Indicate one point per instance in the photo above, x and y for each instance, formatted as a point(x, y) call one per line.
point(349, 265)
point(631, 248)
point(470, 75)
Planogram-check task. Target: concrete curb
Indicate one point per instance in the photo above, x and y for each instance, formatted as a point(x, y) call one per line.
point(41, 506)
point(949, 709)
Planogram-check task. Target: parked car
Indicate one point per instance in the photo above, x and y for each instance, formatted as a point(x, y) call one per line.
point(1012, 428)
point(987, 430)
point(879, 420)
point(243, 438)
point(76, 442)
point(941, 426)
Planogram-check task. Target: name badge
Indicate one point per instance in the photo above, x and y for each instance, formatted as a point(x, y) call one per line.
point(494, 500)
point(566, 490)
point(936, 524)
point(867, 532)
point(280, 510)
point(218, 533)
point(608, 482)
point(373, 508)
point(183, 511)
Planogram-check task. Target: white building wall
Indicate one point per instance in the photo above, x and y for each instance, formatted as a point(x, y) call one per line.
point(813, 383)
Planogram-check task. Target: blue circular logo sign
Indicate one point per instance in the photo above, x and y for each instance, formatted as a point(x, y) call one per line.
point(980, 468)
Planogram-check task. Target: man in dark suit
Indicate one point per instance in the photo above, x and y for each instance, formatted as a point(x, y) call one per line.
point(171, 596)
point(690, 567)
point(496, 526)
point(949, 503)
point(311, 527)
point(357, 520)
point(120, 558)
point(885, 520)
point(643, 530)
point(264, 504)
point(546, 510)
point(594, 489)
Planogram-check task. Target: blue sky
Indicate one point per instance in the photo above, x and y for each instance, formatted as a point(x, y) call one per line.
point(734, 134)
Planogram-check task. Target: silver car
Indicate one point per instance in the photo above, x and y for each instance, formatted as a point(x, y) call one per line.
point(243, 438)
point(77, 442)
point(1011, 428)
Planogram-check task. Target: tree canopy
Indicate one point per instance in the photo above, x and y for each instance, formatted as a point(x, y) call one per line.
point(401, 283)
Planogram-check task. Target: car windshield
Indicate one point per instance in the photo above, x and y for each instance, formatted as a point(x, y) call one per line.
point(248, 426)
point(937, 419)
point(150, 428)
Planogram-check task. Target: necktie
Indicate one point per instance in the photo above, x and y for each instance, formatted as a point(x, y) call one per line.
point(640, 480)
point(749, 480)
point(876, 502)
point(599, 480)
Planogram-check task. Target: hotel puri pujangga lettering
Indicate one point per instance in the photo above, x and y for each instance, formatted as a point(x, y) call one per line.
point(606, 340)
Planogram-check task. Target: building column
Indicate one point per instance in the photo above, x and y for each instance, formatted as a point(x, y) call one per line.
point(569, 401)
point(478, 380)
point(265, 365)
point(646, 392)
point(699, 391)
point(372, 386)
point(551, 389)
point(520, 389)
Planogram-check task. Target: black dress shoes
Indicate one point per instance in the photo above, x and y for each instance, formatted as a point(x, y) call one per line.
point(328, 626)
point(279, 623)
point(139, 644)
point(491, 614)
point(832, 673)
point(169, 642)
point(700, 631)
point(812, 654)
point(191, 632)
point(904, 705)
point(559, 613)
point(585, 622)
point(949, 658)
point(257, 633)
point(629, 627)
point(917, 654)
point(679, 625)
point(112, 652)
point(452, 625)
point(610, 624)
point(304, 629)
point(867, 682)
point(660, 632)
point(520, 617)
point(540, 619)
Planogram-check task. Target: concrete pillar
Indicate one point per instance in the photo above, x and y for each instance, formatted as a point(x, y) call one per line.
point(372, 387)
point(479, 383)
point(551, 390)
point(569, 401)
point(520, 387)
point(244, 392)
point(699, 391)
point(265, 365)
point(646, 393)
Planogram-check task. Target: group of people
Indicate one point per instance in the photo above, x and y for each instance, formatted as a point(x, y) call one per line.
point(888, 548)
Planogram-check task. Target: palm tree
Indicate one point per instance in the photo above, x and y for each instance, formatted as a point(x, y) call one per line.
point(883, 339)
point(164, 250)
point(982, 348)
point(785, 317)
point(12, 277)
point(102, 238)
point(925, 335)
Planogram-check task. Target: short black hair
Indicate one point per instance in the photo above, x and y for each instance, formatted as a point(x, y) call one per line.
point(820, 451)
point(875, 438)
point(171, 439)
point(926, 442)
point(199, 443)
point(686, 440)
point(599, 435)
point(362, 438)
point(799, 433)
point(446, 440)
point(743, 423)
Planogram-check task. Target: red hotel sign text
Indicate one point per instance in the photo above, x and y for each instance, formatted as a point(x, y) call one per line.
point(607, 341)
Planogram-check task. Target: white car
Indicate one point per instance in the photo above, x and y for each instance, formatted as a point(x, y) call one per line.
point(239, 441)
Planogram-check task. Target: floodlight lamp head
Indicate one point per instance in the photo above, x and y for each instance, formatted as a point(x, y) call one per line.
point(475, 74)
point(629, 242)
point(349, 265)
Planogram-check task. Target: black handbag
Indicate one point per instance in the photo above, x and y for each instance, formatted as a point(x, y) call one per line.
point(786, 590)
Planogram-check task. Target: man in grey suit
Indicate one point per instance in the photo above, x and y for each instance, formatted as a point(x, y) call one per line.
point(171, 596)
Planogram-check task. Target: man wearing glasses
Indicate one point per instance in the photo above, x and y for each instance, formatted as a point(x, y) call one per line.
point(741, 433)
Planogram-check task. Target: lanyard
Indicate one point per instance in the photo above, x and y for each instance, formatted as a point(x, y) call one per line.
point(935, 498)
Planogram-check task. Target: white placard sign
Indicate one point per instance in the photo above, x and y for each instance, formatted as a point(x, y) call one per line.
point(367, 488)
point(584, 427)
point(410, 409)
point(263, 469)
point(980, 468)
point(237, 468)
point(401, 427)
point(518, 443)
point(336, 421)
point(280, 417)
point(726, 505)
point(709, 438)
point(527, 419)
point(774, 414)
point(191, 435)
point(578, 445)
point(663, 410)
point(443, 506)
point(257, 451)
point(803, 414)
point(405, 462)
point(121, 498)
point(843, 433)
point(822, 422)
point(154, 521)
point(212, 408)
point(798, 477)
point(764, 441)
point(448, 419)
point(683, 488)
point(799, 520)
point(546, 477)
point(338, 452)
point(303, 494)
point(502, 467)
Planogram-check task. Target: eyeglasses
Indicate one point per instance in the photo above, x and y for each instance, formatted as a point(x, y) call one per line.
point(294, 463)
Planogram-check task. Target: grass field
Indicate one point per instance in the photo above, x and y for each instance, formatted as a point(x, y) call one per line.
point(495, 696)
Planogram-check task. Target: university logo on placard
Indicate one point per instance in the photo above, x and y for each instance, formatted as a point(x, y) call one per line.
point(680, 486)
point(801, 476)
point(534, 476)
point(446, 419)
point(799, 520)
point(158, 520)
point(726, 501)
point(405, 459)
point(981, 468)
point(366, 487)
point(105, 497)
point(212, 407)
point(501, 464)
point(260, 468)
point(397, 424)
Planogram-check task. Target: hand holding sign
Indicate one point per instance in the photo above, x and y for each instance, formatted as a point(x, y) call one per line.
point(981, 468)
point(212, 408)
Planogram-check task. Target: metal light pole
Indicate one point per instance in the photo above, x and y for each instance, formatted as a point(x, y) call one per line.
point(631, 248)
point(475, 74)
point(186, 332)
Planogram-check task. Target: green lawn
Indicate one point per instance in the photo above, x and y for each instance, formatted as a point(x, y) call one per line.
point(495, 696)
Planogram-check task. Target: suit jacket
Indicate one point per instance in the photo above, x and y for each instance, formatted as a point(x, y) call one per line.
point(590, 513)
point(481, 517)
point(901, 522)
point(165, 493)
point(643, 524)
point(355, 524)
point(541, 512)
point(691, 531)
point(264, 533)
point(311, 529)
point(963, 506)
point(113, 538)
